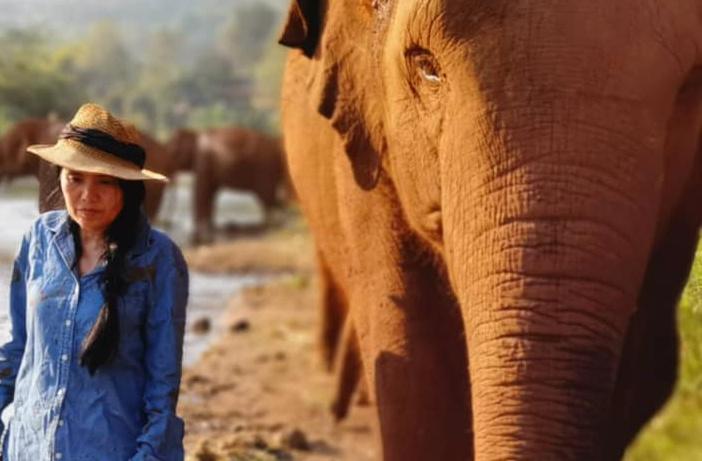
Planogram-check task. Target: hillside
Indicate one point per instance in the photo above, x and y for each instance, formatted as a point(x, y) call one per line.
point(70, 19)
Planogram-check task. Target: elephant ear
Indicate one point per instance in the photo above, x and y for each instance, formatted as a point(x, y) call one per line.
point(340, 72)
point(302, 26)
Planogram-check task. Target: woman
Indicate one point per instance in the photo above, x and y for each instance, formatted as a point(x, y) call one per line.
point(97, 306)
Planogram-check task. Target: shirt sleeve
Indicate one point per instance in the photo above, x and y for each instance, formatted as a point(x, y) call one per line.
point(11, 352)
point(162, 436)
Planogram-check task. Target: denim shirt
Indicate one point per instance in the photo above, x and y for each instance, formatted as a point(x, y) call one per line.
point(126, 410)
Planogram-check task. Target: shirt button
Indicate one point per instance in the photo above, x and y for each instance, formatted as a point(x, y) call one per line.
point(61, 391)
point(68, 323)
point(64, 357)
point(59, 455)
point(60, 422)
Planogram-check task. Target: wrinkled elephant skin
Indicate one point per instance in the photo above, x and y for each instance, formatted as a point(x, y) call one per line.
point(504, 200)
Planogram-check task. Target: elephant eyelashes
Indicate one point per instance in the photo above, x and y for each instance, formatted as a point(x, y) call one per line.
point(378, 4)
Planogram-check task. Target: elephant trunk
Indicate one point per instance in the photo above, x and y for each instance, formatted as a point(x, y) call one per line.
point(547, 231)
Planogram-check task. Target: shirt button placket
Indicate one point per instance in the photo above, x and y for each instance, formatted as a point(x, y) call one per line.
point(67, 342)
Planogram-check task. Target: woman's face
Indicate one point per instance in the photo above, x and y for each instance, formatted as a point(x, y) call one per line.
point(92, 200)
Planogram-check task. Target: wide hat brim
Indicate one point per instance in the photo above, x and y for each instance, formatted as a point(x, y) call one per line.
point(77, 156)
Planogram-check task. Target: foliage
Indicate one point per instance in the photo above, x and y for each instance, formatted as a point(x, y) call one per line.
point(675, 432)
point(199, 67)
point(268, 79)
point(32, 83)
point(245, 35)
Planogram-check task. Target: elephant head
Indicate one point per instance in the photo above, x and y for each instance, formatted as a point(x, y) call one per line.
point(544, 153)
point(182, 148)
point(157, 159)
point(14, 159)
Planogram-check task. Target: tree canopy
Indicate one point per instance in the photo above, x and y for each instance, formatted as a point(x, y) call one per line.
point(174, 76)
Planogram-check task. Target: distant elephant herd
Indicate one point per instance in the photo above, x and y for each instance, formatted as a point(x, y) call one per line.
point(229, 157)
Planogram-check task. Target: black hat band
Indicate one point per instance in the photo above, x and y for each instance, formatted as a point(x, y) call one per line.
point(132, 153)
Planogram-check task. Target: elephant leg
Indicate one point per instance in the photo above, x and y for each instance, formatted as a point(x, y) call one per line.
point(414, 355)
point(362, 395)
point(50, 196)
point(347, 371)
point(649, 363)
point(267, 194)
point(205, 192)
point(152, 198)
point(333, 312)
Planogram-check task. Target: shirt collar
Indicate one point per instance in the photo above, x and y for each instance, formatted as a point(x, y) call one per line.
point(59, 225)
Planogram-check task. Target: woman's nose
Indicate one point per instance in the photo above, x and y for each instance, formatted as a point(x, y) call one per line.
point(89, 192)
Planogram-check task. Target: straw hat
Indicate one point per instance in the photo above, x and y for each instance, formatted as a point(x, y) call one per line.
point(97, 142)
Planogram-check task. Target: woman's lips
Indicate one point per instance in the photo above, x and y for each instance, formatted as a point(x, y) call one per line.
point(88, 211)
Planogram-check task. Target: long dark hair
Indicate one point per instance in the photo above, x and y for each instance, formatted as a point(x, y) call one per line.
point(100, 345)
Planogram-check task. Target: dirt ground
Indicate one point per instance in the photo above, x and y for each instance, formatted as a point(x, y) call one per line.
point(259, 393)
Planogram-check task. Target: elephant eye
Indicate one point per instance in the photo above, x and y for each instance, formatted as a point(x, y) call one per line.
point(425, 67)
point(428, 71)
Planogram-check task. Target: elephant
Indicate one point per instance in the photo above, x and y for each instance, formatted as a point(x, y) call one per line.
point(157, 159)
point(231, 157)
point(347, 367)
point(504, 199)
point(181, 146)
point(15, 161)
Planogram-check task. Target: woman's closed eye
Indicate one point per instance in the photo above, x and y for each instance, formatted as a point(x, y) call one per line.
point(74, 178)
point(109, 182)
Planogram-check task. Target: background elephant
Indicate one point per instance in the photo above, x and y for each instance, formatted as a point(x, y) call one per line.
point(157, 159)
point(506, 209)
point(181, 147)
point(231, 157)
point(15, 161)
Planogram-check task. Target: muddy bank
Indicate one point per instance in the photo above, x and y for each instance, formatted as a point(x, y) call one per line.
point(259, 392)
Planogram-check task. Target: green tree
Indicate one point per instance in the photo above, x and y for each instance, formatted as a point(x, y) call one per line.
point(32, 83)
point(104, 66)
point(268, 75)
point(246, 33)
point(152, 101)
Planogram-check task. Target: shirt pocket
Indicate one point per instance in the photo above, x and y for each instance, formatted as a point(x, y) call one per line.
point(133, 308)
point(47, 306)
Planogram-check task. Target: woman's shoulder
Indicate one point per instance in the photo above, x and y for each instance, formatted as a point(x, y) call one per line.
point(41, 231)
point(50, 221)
point(164, 248)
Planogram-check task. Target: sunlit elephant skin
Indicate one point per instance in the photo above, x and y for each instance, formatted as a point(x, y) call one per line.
point(348, 373)
point(504, 194)
point(229, 157)
point(15, 161)
point(157, 159)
